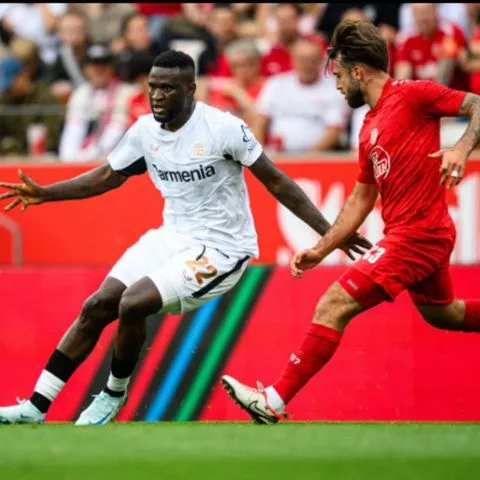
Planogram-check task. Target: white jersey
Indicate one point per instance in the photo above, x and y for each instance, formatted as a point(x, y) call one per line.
point(198, 170)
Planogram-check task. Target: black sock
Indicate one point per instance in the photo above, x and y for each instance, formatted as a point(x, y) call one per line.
point(61, 367)
point(121, 369)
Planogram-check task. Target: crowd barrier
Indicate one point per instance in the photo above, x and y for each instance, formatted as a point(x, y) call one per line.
point(95, 232)
point(391, 365)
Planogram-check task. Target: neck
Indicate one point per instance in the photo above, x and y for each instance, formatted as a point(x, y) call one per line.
point(374, 87)
point(179, 121)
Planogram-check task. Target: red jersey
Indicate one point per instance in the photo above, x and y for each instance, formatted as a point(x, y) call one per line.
point(396, 138)
point(475, 76)
point(424, 54)
point(138, 105)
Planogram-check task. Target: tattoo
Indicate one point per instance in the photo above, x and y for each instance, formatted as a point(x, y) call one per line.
point(470, 107)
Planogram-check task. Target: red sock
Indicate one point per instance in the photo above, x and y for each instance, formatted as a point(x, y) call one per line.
point(471, 321)
point(317, 348)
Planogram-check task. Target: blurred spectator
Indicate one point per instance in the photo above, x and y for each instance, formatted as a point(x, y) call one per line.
point(158, 14)
point(433, 53)
point(471, 57)
point(456, 13)
point(27, 52)
point(238, 94)
point(24, 106)
point(139, 68)
point(35, 21)
point(66, 74)
point(301, 111)
point(97, 110)
point(135, 37)
point(279, 58)
point(104, 19)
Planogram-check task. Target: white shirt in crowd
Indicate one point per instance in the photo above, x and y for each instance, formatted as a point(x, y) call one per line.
point(199, 171)
point(300, 113)
point(26, 21)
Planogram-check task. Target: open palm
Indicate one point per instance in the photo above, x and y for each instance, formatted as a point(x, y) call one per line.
point(28, 193)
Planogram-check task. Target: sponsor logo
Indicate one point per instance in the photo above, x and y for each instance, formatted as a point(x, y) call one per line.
point(247, 134)
point(185, 176)
point(381, 163)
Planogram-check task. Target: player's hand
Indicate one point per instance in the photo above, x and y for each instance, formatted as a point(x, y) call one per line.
point(28, 193)
point(304, 260)
point(356, 244)
point(453, 165)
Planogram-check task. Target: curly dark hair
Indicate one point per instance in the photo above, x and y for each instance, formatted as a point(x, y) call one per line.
point(359, 42)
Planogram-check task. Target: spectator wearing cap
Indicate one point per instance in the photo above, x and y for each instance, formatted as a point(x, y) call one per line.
point(67, 72)
point(279, 58)
point(238, 94)
point(96, 111)
point(301, 111)
point(139, 68)
point(23, 104)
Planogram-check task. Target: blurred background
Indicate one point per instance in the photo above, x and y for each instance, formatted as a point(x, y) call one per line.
point(73, 78)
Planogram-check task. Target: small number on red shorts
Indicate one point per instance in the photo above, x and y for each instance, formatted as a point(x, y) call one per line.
point(374, 254)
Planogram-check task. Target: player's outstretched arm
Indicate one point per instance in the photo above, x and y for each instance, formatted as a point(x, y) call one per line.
point(94, 182)
point(356, 208)
point(288, 193)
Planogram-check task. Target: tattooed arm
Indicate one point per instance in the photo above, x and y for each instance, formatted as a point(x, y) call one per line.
point(454, 160)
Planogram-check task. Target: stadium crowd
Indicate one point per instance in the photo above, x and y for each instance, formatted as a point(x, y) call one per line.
point(73, 77)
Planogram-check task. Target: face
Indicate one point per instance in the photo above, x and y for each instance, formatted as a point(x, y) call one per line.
point(171, 93)
point(425, 16)
point(99, 75)
point(307, 60)
point(348, 82)
point(222, 24)
point(245, 67)
point(137, 34)
point(72, 30)
point(287, 20)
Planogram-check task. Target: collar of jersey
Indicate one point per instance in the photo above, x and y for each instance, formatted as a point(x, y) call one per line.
point(193, 118)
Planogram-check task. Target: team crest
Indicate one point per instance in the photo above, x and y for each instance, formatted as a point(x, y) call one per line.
point(198, 150)
point(374, 136)
point(381, 163)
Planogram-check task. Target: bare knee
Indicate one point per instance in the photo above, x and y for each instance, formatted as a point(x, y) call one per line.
point(98, 311)
point(133, 309)
point(449, 317)
point(336, 308)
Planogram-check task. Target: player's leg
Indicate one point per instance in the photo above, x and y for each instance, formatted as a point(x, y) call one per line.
point(354, 293)
point(97, 312)
point(435, 301)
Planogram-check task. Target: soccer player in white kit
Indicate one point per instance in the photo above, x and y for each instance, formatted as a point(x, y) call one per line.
point(194, 155)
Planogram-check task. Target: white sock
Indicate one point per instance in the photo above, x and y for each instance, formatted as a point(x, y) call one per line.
point(117, 384)
point(49, 385)
point(274, 400)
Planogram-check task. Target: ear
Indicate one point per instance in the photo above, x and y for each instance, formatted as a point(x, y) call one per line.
point(357, 72)
point(192, 88)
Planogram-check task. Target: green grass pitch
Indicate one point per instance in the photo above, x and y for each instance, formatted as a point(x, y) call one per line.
point(239, 451)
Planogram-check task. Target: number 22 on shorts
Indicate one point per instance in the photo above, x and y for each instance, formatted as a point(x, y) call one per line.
point(201, 268)
point(374, 254)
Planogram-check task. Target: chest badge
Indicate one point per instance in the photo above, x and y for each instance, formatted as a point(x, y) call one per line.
point(374, 136)
point(198, 150)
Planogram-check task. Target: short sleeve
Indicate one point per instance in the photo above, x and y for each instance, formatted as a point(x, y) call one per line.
point(365, 175)
point(238, 142)
point(127, 158)
point(436, 99)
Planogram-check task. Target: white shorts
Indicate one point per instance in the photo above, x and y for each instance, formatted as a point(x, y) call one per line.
point(186, 273)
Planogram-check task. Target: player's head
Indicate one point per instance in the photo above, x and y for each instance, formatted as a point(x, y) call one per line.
point(171, 85)
point(357, 50)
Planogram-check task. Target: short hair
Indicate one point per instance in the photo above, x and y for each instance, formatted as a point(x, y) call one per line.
point(243, 45)
point(174, 59)
point(359, 42)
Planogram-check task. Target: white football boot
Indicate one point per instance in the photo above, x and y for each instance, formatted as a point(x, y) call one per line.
point(252, 400)
point(24, 412)
point(102, 410)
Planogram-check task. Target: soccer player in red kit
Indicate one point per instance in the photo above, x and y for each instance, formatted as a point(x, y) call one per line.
point(401, 160)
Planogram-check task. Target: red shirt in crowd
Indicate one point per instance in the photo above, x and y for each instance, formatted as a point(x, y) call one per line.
point(224, 102)
point(397, 136)
point(475, 76)
point(138, 105)
point(168, 9)
point(279, 58)
point(424, 53)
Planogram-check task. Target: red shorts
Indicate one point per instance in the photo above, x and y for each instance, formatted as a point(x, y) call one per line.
point(416, 262)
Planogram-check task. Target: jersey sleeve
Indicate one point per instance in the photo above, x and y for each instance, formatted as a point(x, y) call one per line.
point(127, 157)
point(436, 99)
point(365, 175)
point(238, 142)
